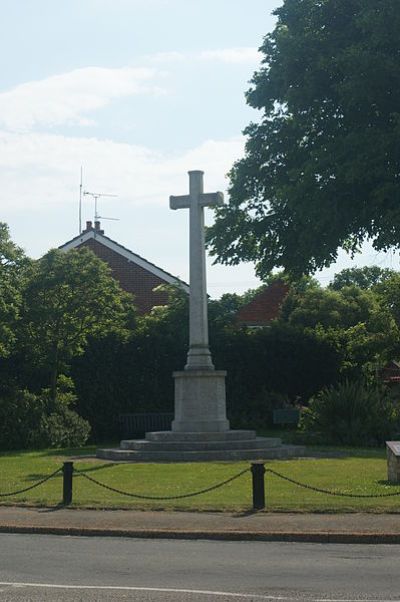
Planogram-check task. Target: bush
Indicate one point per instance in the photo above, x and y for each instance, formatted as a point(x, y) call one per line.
point(64, 428)
point(36, 421)
point(60, 426)
point(351, 413)
point(20, 415)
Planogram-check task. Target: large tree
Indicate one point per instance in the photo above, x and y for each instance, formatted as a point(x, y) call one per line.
point(68, 298)
point(322, 167)
point(12, 266)
point(366, 277)
point(361, 324)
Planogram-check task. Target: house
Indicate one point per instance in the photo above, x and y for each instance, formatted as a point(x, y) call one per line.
point(390, 373)
point(264, 307)
point(135, 274)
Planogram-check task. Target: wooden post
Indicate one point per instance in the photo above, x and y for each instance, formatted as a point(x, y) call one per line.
point(258, 471)
point(68, 471)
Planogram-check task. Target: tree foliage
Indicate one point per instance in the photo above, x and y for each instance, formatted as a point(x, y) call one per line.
point(355, 321)
point(30, 420)
point(322, 167)
point(365, 278)
point(352, 413)
point(69, 297)
point(12, 265)
point(388, 292)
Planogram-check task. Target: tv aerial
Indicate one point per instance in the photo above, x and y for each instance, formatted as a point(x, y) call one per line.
point(96, 196)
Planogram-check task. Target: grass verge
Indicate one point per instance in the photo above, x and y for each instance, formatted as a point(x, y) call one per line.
point(356, 471)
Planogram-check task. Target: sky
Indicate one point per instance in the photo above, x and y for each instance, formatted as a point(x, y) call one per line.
point(137, 93)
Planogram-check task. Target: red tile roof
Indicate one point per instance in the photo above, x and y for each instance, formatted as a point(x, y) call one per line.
point(135, 274)
point(265, 306)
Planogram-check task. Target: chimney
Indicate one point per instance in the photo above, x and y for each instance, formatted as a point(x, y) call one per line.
point(88, 226)
point(97, 227)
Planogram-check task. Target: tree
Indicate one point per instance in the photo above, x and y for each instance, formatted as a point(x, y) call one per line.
point(322, 168)
point(12, 265)
point(355, 321)
point(365, 278)
point(68, 298)
point(388, 292)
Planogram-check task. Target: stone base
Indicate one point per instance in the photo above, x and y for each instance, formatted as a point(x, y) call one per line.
point(393, 461)
point(169, 446)
point(200, 401)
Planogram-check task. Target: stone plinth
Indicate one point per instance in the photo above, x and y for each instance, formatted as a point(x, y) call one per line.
point(393, 461)
point(169, 446)
point(200, 401)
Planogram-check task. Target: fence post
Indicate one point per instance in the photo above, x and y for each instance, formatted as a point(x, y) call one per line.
point(68, 471)
point(258, 471)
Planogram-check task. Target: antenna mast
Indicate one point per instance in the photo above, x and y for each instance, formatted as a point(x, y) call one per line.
point(97, 195)
point(80, 204)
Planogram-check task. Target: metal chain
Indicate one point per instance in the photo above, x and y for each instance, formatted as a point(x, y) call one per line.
point(169, 497)
point(329, 492)
point(32, 486)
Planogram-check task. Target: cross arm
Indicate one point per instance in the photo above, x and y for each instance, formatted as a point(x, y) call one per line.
point(211, 199)
point(208, 199)
point(179, 202)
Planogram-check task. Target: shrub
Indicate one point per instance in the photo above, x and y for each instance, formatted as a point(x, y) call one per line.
point(64, 428)
point(351, 413)
point(34, 421)
point(20, 415)
point(60, 426)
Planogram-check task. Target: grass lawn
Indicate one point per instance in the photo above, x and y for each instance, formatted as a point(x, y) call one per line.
point(354, 471)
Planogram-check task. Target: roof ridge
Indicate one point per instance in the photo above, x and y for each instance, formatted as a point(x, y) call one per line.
point(98, 234)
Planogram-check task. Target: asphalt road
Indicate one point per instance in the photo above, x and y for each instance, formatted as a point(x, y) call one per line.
point(42, 568)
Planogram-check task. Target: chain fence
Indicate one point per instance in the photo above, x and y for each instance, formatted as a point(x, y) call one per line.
point(37, 484)
point(167, 497)
point(257, 469)
point(329, 491)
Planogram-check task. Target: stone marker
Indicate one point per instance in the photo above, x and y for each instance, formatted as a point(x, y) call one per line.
point(393, 461)
point(200, 430)
point(199, 389)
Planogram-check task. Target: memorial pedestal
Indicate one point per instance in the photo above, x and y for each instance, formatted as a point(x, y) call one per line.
point(200, 401)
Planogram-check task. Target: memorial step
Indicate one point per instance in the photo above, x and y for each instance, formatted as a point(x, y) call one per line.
point(200, 445)
point(201, 436)
point(125, 455)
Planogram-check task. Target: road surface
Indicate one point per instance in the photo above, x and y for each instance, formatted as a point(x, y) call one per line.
point(42, 568)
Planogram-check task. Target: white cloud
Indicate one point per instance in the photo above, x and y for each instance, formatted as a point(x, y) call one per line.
point(232, 55)
point(70, 98)
point(67, 98)
point(168, 57)
point(39, 177)
point(239, 55)
point(42, 169)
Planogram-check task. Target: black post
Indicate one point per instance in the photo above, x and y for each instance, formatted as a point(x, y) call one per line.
point(68, 471)
point(258, 471)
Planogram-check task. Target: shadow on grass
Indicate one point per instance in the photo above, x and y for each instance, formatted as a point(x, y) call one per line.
point(294, 437)
point(87, 450)
point(389, 484)
point(43, 475)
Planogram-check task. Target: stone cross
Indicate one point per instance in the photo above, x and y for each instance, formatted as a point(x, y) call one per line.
point(199, 356)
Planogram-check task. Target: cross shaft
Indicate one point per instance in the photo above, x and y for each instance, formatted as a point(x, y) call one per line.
point(199, 356)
